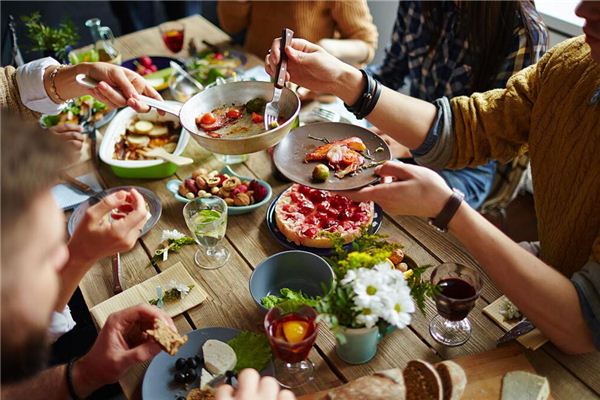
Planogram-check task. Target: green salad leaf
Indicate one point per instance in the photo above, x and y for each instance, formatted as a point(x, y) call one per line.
point(290, 298)
point(252, 351)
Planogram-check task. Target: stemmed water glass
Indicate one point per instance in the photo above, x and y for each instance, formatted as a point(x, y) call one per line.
point(460, 286)
point(206, 219)
point(291, 335)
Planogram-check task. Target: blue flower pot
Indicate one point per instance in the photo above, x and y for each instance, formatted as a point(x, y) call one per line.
point(361, 343)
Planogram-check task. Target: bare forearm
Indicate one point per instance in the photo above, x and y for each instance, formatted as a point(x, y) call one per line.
point(351, 51)
point(71, 275)
point(544, 295)
point(50, 384)
point(404, 118)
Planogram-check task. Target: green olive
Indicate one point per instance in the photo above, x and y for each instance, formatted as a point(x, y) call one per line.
point(320, 173)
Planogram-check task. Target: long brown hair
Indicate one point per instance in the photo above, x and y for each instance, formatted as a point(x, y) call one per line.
point(488, 26)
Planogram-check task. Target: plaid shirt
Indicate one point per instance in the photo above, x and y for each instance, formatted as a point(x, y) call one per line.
point(446, 72)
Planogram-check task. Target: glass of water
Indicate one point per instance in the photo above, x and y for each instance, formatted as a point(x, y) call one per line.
point(206, 219)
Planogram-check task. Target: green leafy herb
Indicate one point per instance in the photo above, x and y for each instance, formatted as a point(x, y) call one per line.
point(46, 38)
point(290, 300)
point(252, 350)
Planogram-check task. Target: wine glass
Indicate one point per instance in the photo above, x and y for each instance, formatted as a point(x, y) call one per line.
point(460, 286)
point(206, 219)
point(172, 35)
point(291, 335)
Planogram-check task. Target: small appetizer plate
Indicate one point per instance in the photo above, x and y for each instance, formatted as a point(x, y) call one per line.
point(280, 237)
point(290, 153)
point(159, 382)
point(173, 187)
point(152, 201)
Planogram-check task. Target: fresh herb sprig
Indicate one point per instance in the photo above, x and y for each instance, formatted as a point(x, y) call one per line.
point(173, 245)
point(170, 296)
point(46, 38)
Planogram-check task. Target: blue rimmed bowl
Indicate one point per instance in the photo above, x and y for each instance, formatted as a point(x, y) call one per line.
point(293, 269)
point(173, 187)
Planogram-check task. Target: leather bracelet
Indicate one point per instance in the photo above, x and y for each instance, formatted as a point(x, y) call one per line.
point(450, 208)
point(69, 376)
point(52, 78)
point(368, 108)
point(359, 104)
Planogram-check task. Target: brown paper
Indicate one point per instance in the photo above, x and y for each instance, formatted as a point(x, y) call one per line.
point(532, 340)
point(143, 292)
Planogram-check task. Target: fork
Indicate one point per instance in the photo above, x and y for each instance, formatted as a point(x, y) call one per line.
point(272, 107)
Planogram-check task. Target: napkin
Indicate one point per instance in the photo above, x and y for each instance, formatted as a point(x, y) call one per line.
point(67, 197)
point(146, 291)
point(532, 340)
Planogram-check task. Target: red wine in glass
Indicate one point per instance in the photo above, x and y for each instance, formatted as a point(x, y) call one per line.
point(172, 35)
point(459, 287)
point(456, 299)
point(291, 336)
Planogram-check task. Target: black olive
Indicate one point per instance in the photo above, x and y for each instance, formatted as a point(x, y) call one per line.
point(191, 375)
point(180, 398)
point(180, 364)
point(191, 362)
point(199, 359)
point(180, 377)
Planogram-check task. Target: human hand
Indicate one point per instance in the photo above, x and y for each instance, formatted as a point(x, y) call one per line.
point(70, 133)
point(251, 386)
point(406, 190)
point(312, 67)
point(121, 344)
point(97, 236)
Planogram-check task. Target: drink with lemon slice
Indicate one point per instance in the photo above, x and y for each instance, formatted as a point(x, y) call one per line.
point(206, 219)
point(291, 335)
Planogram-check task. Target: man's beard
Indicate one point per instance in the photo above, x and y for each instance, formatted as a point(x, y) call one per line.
point(27, 359)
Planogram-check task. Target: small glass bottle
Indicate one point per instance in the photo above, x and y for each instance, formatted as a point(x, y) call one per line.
point(104, 41)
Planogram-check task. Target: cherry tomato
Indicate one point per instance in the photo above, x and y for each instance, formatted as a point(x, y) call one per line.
point(153, 68)
point(257, 118)
point(208, 119)
point(218, 56)
point(233, 113)
point(146, 61)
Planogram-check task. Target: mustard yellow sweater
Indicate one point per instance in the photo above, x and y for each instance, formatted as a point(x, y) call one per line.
point(9, 94)
point(310, 20)
point(547, 108)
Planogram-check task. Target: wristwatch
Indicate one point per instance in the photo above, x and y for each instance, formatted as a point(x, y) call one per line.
point(443, 218)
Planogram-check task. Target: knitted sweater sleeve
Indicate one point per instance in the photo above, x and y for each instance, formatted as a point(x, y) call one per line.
point(354, 21)
point(9, 93)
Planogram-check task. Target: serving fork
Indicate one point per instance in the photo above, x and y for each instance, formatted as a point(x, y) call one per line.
point(272, 107)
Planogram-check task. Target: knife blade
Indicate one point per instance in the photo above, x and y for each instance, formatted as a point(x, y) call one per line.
point(521, 328)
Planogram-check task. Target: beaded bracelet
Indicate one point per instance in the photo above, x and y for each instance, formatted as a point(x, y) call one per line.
point(69, 375)
point(53, 83)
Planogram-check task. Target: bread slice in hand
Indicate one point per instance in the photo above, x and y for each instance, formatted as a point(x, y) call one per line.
point(219, 357)
point(422, 381)
point(454, 379)
point(168, 339)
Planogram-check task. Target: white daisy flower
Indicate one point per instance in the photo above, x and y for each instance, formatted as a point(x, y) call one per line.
point(398, 306)
point(183, 289)
point(171, 235)
point(367, 318)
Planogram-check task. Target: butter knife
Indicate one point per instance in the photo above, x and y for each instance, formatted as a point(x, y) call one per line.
point(521, 328)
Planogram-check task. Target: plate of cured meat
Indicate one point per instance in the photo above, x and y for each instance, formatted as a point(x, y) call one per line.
point(331, 156)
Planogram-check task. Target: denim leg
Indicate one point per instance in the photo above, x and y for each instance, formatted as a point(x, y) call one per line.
point(475, 183)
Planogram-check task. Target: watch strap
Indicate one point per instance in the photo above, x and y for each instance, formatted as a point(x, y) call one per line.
point(442, 220)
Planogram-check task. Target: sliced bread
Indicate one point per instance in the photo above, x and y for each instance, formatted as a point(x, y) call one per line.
point(219, 357)
point(380, 386)
point(454, 379)
point(422, 381)
point(168, 339)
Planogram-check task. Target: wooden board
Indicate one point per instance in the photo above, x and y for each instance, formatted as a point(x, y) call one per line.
point(484, 373)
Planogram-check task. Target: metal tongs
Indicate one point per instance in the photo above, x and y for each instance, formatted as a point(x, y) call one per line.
point(272, 107)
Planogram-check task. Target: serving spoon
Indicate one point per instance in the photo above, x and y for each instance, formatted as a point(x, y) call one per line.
point(159, 152)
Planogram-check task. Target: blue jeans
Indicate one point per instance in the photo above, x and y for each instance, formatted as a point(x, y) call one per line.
point(475, 183)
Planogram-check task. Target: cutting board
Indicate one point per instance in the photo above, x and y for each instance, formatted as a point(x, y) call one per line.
point(484, 372)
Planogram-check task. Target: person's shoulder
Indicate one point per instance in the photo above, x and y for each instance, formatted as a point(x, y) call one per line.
point(566, 54)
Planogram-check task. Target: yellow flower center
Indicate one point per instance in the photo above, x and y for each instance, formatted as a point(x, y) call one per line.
point(397, 308)
point(367, 311)
point(371, 290)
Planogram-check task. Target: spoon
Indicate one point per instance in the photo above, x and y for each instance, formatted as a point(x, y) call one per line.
point(159, 152)
point(183, 72)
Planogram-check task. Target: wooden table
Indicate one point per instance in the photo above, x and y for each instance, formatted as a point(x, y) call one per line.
point(249, 242)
